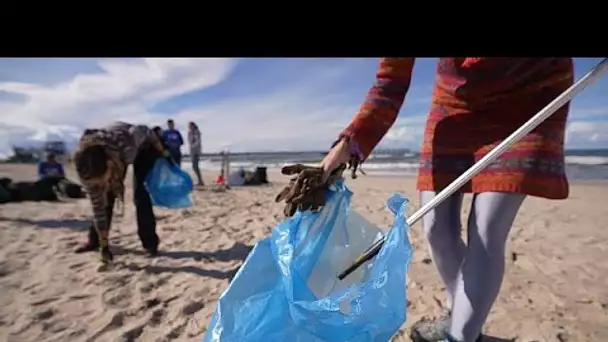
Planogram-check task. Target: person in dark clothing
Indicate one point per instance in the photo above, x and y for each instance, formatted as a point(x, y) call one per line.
point(50, 168)
point(101, 162)
point(173, 140)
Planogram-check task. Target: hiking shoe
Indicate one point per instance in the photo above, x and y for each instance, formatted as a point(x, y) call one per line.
point(435, 330)
point(87, 247)
point(106, 255)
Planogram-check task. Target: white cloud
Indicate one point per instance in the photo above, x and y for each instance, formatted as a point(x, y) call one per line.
point(587, 134)
point(406, 132)
point(123, 91)
point(306, 114)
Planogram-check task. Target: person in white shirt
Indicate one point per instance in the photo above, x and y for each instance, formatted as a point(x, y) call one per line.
point(194, 139)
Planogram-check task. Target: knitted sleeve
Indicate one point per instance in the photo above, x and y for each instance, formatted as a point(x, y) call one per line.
point(382, 104)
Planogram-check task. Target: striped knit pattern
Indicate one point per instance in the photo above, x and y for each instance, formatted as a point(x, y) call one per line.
point(477, 102)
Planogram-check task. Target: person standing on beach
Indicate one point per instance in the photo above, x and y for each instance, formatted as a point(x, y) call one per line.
point(174, 141)
point(477, 103)
point(101, 160)
point(194, 140)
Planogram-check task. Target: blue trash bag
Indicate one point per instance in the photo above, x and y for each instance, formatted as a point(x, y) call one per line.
point(168, 185)
point(288, 290)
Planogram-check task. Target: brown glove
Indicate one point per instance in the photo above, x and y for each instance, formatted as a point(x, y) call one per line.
point(306, 190)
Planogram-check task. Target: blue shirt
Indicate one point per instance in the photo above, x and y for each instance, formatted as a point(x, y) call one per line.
point(46, 169)
point(173, 140)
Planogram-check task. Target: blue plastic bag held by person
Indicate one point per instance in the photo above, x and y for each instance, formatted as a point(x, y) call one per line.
point(287, 289)
point(168, 185)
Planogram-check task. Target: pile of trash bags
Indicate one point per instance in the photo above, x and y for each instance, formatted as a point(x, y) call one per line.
point(169, 186)
point(288, 290)
point(242, 177)
point(48, 189)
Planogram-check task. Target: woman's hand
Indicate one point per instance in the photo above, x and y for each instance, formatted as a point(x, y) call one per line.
point(334, 159)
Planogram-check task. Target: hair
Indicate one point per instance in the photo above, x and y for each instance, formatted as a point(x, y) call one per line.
point(158, 130)
point(91, 162)
point(194, 125)
point(170, 121)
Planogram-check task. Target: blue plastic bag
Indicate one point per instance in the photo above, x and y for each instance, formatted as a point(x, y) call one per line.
point(287, 289)
point(168, 185)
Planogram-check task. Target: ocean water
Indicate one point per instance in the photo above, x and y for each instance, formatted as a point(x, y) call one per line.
point(580, 164)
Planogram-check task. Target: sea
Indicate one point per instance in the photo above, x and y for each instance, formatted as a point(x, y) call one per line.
point(580, 164)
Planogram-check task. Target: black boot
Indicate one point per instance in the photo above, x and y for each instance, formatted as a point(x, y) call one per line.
point(106, 255)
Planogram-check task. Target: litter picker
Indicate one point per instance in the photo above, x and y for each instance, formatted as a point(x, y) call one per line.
point(526, 128)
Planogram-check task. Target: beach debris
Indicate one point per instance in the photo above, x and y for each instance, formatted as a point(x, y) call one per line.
point(354, 164)
point(514, 256)
point(307, 190)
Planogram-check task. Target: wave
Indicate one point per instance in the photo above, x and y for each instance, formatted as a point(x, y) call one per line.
point(377, 166)
point(586, 160)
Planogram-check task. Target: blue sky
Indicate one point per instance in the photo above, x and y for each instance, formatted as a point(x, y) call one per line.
point(241, 104)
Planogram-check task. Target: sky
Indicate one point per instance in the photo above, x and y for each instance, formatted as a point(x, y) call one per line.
point(259, 104)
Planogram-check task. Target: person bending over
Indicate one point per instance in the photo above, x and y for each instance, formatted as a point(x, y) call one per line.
point(101, 161)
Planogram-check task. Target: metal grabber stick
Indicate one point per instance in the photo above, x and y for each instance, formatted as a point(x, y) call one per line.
point(526, 128)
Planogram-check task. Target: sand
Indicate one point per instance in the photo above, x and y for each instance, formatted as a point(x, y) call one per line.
point(555, 288)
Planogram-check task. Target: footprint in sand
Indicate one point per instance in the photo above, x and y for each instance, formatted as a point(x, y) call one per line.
point(117, 298)
point(43, 301)
point(176, 331)
point(156, 317)
point(133, 333)
point(116, 321)
point(44, 314)
point(4, 270)
point(77, 266)
point(30, 287)
point(192, 308)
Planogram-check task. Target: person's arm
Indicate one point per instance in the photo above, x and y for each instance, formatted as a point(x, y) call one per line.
point(155, 141)
point(181, 140)
point(381, 106)
point(144, 134)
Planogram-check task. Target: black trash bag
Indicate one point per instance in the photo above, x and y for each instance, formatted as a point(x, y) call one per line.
point(5, 195)
point(70, 189)
point(258, 177)
point(5, 182)
point(261, 175)
point(42, 191)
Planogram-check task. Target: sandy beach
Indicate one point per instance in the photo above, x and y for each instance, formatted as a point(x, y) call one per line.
point(555, 288)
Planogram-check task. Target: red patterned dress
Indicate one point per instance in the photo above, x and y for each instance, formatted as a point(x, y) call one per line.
point(477, 102)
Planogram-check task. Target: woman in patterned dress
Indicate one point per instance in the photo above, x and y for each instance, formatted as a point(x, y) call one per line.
point(477, 103)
